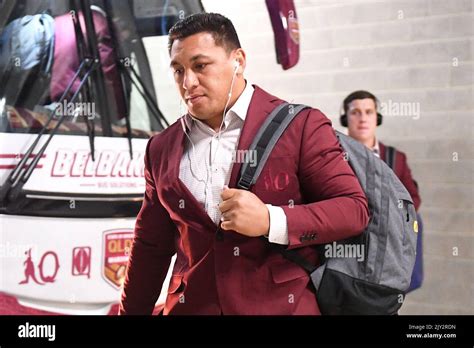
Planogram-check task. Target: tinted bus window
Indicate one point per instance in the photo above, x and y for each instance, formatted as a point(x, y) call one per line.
point(84, 67)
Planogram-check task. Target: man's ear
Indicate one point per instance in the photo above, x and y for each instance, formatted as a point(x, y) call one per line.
point(240, 57)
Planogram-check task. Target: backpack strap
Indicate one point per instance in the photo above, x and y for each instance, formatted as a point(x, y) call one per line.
point(390, 154)
point(265, 140)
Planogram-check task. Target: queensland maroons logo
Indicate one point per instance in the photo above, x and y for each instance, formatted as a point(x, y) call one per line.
point(117, 245)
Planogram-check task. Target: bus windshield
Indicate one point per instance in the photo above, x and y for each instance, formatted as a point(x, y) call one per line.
point(81, 66)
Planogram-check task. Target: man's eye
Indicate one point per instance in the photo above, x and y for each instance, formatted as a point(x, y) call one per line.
point(178, 71)
point(200, 66)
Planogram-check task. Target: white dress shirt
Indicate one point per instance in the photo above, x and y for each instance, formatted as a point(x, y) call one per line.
point(207, 162)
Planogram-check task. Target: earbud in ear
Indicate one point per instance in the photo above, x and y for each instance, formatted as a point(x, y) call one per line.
point(236, 64)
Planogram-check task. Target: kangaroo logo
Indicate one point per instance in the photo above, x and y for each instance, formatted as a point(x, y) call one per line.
point(30, 271)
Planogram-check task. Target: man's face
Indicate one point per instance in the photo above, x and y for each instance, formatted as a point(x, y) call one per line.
point(362, 119)
point(203, 74)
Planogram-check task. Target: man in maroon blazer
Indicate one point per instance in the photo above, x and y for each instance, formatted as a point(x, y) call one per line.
point(361, 118)
point(306, 194)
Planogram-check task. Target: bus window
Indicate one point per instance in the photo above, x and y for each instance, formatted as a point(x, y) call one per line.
point(43, 47)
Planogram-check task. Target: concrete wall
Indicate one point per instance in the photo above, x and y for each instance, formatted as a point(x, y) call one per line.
point(418, 52)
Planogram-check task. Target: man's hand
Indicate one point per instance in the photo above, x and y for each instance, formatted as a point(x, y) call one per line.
point(244, 213)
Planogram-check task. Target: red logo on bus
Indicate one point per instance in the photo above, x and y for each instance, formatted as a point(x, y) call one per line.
point(81, 261)
point(45, 276)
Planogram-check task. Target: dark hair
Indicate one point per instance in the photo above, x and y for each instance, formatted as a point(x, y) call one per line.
point(358, 95)
point(220, 27)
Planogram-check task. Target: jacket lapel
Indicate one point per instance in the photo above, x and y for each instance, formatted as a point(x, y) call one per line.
point(175, 153)
point(260, 106)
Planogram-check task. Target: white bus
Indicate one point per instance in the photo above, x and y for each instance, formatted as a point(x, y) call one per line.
point(77, 106)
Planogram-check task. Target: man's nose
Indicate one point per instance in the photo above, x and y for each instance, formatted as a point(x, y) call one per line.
point(190, 80)
point(364, 117)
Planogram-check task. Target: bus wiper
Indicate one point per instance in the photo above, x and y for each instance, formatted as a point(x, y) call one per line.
point(129, 132)
point(144, 93)
point(118, 64)
point(22, 172)
point(81, 48)
point(151, 102)
point(124, 73)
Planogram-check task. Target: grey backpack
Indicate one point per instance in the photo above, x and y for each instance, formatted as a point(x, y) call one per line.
point(376, 282)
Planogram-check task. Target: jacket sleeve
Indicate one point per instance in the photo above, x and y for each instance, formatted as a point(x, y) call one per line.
point(151, 252)
point(336, 206)
point(407, 180)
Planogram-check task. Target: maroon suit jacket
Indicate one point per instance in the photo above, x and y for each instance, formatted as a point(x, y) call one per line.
point(402, 170)
point(306, 175)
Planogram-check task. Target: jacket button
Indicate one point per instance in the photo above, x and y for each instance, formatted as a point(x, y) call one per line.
point(219, 235)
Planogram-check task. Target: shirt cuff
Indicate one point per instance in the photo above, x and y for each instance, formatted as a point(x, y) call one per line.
point(278, 232)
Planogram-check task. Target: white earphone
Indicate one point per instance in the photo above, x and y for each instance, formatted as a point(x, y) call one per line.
point(229, 96)
point(236, 65)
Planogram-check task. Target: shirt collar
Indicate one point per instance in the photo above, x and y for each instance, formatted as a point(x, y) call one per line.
point(240, 108)
point(376, 148)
